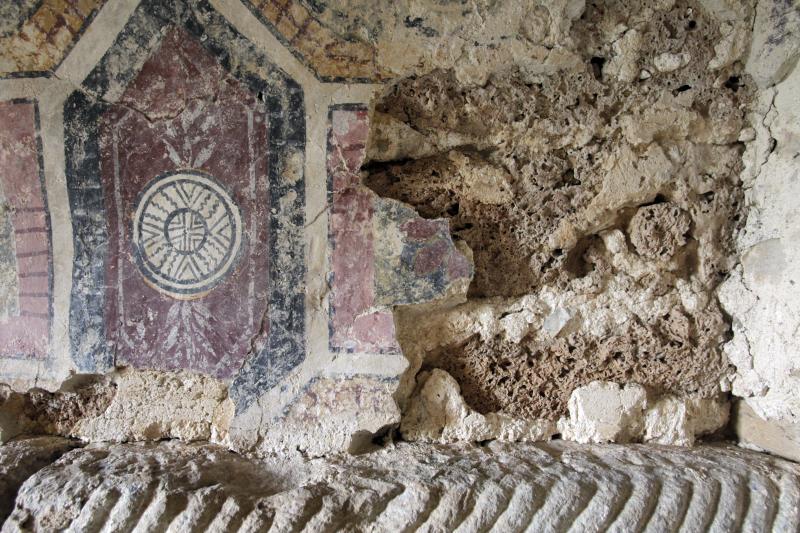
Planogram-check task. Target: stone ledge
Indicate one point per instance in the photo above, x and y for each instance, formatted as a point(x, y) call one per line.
point(20, 459)
point(411, 487)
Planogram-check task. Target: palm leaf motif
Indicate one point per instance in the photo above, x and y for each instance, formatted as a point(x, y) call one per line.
point(189, 334)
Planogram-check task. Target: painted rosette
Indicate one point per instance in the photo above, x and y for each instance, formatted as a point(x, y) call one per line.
point(187, 233)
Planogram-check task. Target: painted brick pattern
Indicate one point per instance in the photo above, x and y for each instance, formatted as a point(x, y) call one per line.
point(42, 39)
point(25, 249)
point(329, 56)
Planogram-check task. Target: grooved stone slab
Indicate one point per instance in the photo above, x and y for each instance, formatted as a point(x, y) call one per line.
point(552, 487)
point(21, 459)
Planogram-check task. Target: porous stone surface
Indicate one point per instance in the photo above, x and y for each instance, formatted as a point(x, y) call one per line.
point(53, 413)
point(524, 356)
point(599, 197)
point(437, 412)
point(409, 487)
point(20, 459)
point(659, 231)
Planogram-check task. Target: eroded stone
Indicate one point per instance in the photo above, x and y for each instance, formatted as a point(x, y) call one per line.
point(604, 213)
point(21, 459)
point(506, 487)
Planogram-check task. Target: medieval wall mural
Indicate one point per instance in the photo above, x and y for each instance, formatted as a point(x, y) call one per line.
point(173, 150)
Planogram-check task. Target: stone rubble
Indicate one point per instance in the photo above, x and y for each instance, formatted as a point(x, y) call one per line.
point(21, 459)
point(601, 207)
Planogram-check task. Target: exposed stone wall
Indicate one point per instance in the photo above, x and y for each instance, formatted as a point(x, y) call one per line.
point(305, 225)
point(599, 196)
point(762, 293)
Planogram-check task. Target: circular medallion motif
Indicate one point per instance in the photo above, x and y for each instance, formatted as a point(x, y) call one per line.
point(186, 233)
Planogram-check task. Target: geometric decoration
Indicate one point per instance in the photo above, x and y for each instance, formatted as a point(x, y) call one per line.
point(185, 148)
point(36, 35)
point(26, 264)
point(330, 56)
point(186, 233)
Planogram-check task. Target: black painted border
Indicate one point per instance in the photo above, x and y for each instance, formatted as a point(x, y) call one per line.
point(285, 347)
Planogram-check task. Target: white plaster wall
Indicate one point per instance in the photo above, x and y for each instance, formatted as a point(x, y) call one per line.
point(763, 293)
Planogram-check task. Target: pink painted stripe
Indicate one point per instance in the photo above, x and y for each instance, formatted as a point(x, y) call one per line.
point(34, 253)
point(33, 264)
point(351, 235)
point(34, 285)
point(23, 231)
point(34, 304)
point(29, 219)
point(26, 335)
point(42, 316)
point(42, 274)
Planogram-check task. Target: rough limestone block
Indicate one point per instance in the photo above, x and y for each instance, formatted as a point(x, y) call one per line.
point(604, 412)
point(150, 405)
point(609, 412)
point(22, 458)
point(40, 412)
point(437, 412)
point(677, 421)
point(776, 437)
point(519, 487)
